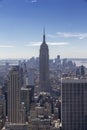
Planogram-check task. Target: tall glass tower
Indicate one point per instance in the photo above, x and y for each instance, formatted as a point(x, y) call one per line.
point(74, 104)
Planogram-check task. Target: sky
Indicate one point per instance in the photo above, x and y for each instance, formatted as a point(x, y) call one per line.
point(22, 23)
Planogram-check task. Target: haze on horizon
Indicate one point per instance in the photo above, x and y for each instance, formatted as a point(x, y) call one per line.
point(22, 22)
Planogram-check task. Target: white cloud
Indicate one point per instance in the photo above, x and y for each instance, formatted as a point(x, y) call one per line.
point(51, 36)
point(69, 35)
point(57, 43)
point(33, 44)
point(7, 46)
point(48, 43)
point(33, 1)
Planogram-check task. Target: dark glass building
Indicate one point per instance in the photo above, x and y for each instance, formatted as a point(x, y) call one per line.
point(74, 104)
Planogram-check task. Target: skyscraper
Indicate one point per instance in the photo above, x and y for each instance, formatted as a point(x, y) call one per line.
point(14, 95)
point(44, 66)
point(74, 104)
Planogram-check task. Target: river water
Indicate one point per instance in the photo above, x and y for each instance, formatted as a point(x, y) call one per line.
point(80, 62)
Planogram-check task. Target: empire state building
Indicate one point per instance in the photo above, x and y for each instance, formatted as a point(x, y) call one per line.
point(44, 66)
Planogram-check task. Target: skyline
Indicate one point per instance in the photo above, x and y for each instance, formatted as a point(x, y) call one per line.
point(22, 22)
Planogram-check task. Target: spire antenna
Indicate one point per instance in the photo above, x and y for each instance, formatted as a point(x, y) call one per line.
point(44, 35)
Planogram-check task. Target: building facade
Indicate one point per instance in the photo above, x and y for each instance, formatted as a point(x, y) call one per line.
point(74, 104)
point(44, 66)
point(14, 86)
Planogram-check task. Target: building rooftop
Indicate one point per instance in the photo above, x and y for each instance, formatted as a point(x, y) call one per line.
point(74, 80)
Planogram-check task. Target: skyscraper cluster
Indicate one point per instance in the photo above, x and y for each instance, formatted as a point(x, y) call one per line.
point(30, 107)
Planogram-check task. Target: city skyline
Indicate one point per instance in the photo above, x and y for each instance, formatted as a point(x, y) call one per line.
point(22, 22)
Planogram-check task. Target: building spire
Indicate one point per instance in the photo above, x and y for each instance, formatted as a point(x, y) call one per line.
point(44, 35)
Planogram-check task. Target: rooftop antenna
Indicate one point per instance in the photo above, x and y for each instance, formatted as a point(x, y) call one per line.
point(44, 35)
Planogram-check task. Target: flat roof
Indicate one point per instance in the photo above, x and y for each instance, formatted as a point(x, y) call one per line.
point(73, 80)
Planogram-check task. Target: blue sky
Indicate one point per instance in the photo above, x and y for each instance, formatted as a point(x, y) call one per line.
point(22, 22)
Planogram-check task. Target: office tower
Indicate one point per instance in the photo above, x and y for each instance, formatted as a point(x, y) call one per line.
point(31, 76)
point(14, 86)
point(82, 70)
point(16, 127)
point(40, 124)
point(7, 67)
point(44, 66)
point(2, 109)
point(74, 104)
point(58, 60)
point(25, 97)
